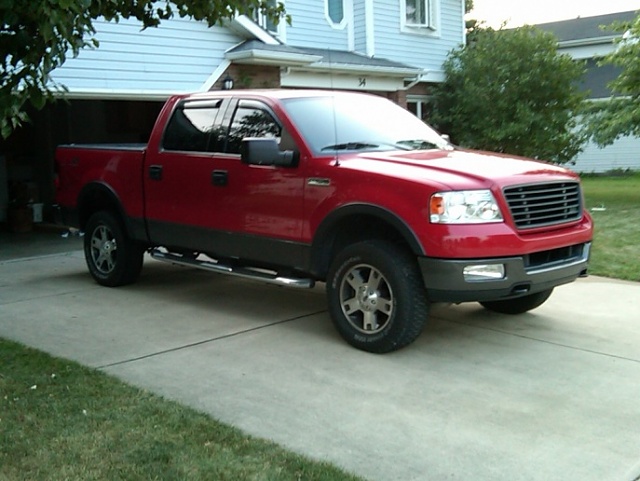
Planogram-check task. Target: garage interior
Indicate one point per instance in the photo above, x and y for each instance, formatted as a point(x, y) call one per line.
point(27, 172)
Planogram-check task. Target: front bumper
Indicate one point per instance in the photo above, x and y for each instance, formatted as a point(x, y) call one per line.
point(445, 280)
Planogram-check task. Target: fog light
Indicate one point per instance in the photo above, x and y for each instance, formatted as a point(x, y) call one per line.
point(483, 272)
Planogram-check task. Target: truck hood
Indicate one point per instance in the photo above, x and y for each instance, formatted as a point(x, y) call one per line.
point(462, 168)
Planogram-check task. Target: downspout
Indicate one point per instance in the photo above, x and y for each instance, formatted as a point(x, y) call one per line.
point(416, 80)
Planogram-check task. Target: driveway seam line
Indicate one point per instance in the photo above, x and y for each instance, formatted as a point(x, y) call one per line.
point(207, 341)
point(38, 257)
point(559, 344)
point(47, 296)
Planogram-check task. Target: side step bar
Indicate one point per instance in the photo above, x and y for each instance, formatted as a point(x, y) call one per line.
point(244, 272)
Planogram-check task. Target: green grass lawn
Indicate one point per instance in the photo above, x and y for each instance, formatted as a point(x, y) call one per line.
point(616, 246)
point(61, 421)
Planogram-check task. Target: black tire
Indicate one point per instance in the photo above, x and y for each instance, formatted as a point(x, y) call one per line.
point(518, 305)
point(112, 258)
point(377, 300)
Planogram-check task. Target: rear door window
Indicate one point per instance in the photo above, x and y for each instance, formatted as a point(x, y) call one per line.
point(195, 127)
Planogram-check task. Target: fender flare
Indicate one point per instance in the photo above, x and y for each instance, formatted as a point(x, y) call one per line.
point(328, 226)
point(101, 195)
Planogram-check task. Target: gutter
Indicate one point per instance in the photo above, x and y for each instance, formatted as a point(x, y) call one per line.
point(269, 57)
point(427, 76)
point(582, 42)
point(117, 94)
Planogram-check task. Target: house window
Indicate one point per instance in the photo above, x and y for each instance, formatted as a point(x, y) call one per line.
point(419, 13)
point(265, 22)
point(420, 106)
point(335, 10)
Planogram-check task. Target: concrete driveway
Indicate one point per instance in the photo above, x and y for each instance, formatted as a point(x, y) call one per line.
point(549, 395)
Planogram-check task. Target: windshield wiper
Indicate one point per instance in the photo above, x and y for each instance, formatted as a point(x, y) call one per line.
point(363, 146)
point(351, 146)
point(418, 144)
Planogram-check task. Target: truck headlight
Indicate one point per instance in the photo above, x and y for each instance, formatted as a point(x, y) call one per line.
point(464, 207)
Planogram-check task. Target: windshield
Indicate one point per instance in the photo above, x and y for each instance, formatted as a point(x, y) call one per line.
point(360, 123)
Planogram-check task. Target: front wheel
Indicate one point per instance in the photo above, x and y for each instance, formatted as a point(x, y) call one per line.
point(518, 305)
point(112, 258)
point(377, 300)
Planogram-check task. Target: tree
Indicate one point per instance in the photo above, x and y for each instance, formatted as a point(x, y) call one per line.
point(510, 91)
point(619, 115)
point(470, 23)
point(36, 36)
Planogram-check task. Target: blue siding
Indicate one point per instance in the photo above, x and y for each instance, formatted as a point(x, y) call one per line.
point(310, 27)
point(426, 51)
point(181, 54)
point(359, 28)
point(178, 56)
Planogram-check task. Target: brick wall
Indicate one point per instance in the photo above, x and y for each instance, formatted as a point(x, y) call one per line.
point(399, 97)
point(251, 77)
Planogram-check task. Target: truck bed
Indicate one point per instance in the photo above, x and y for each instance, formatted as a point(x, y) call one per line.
point(115, 168)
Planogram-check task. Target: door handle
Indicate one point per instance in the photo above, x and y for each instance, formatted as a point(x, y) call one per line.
point(155, 172)
point(219, 177)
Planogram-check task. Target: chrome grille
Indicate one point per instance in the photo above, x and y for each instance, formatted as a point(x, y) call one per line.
point(540, 205)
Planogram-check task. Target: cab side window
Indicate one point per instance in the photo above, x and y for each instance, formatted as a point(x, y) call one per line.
point(193, 128)
point(250, 120)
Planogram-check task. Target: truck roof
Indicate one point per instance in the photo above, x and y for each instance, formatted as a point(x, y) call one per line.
point(270, 93)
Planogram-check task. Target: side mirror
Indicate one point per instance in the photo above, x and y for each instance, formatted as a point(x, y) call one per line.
point(260, 151)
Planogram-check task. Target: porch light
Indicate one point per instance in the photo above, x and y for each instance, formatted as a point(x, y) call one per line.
point(227, 83)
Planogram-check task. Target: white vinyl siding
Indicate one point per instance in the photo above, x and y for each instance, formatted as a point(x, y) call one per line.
point(178, 56)
point(623, 154)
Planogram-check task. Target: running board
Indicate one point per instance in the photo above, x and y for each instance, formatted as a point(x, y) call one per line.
point(244, 272)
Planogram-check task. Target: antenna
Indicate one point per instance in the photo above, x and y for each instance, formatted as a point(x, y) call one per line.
point(333, 100)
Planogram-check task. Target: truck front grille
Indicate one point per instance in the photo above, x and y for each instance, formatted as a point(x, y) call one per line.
point(540, 205)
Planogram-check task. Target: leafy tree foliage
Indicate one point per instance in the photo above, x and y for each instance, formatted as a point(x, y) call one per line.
point(510, 91)
point(470, 23)
point(36, 36)
point(468, 6)
point(620, 115)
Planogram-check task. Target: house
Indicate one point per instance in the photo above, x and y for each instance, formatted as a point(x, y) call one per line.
point(589, 39)
point(393, 48)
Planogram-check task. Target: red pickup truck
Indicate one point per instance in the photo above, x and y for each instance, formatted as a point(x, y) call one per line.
point(294, 187)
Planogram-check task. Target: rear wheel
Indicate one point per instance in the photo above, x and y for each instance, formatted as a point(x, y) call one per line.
point(112, 258)
point(376, 297)
point(518, 305)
